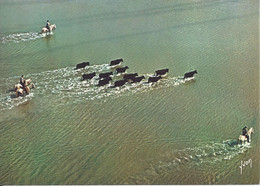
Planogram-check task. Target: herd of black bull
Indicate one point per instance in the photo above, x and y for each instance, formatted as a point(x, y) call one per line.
point(105, 78)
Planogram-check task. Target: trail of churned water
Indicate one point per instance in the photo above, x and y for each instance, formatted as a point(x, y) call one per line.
point(69, 131)
point(23, 36)
point(66, 83)
point(207, 154)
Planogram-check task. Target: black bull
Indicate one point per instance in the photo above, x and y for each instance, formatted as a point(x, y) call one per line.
point(116, 62)
point(82, 65)
point(190, 74)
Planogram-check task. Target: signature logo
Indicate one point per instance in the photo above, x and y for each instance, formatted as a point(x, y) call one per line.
point(244, 164)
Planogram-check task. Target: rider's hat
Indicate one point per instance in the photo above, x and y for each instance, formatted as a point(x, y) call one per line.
point(245, 127)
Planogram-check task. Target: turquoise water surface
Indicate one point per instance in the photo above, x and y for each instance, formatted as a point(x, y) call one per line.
point(68, 131)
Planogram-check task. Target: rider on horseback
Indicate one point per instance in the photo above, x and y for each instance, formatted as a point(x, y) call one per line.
point(245, 133)
point(48, 24)
point(22, 80)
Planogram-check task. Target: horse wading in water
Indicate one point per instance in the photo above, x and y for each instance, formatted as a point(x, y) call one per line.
point(21, 90)
point(45, 30)
point(242, 138)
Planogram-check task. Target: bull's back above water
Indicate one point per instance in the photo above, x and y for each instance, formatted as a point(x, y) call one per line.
point(190, 74)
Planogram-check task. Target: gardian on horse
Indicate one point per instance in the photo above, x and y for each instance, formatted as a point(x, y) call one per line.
point(246, 135)
point(23, 87)
point(48, 28)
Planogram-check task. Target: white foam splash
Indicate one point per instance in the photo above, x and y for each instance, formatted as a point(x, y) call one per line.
point(19, 37)
point(209, 154)
point(10, 101)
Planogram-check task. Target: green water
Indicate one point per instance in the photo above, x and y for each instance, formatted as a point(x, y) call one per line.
point(69, 131)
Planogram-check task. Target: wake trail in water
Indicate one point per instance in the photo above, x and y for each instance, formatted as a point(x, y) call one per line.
point(22, 37)
point(63, 86)
point(208, 155)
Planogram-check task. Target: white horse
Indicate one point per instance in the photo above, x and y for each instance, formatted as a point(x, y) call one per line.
point(17, 86)
point(20, 90)
point(28, 82)
point(242, 138)
point(52, 27)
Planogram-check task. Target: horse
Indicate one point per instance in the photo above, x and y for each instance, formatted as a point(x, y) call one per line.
point(20, 90)
point(28, 83)
point(52, 27)
point(242, 138)
point(31, 86)
point(17, 86)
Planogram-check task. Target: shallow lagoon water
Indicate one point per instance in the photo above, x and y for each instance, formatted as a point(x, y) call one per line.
point(69, 131)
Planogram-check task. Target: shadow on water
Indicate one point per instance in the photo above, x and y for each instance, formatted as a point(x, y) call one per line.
point(10, 90)
point(231, 143)
point(47, 39)
point(13, 96)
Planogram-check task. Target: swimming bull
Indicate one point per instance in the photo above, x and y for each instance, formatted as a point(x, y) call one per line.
point(190, 74)
point(161, 72)
point(105, 81)
point(121, 70)
point(130, 76)
point(82, 65)
point(116, 62)
point(120, 83)
point(154, 79)
point(138, 79)
point(88, 76)
point(105, 75)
